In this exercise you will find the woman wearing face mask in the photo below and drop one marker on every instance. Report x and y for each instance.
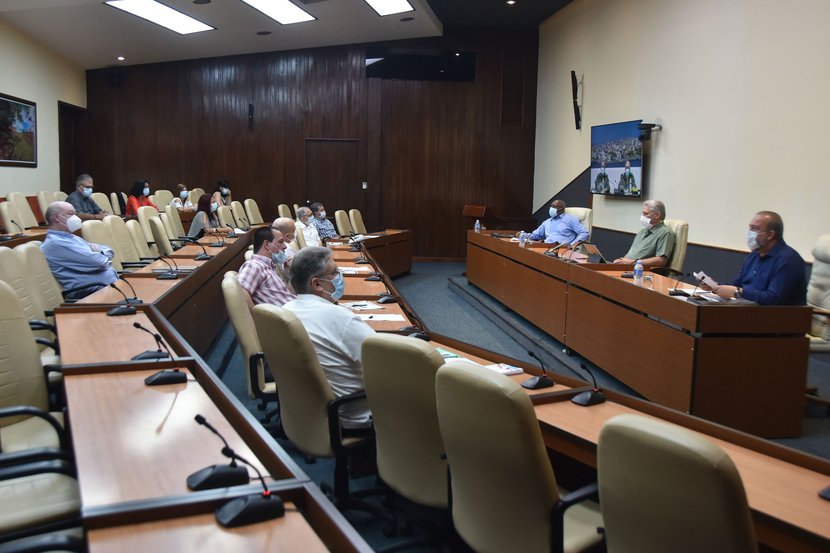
(222, 193)
(181, 201)
(205, 221)
(139, 197)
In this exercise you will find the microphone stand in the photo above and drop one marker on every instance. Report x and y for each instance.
(589, 397)
(124, 307)
(204, 256)
(252, 508)
(217, 476)
(164, 377)
(538, 382)
(171, 274)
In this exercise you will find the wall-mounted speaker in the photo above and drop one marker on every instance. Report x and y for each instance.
(575, 94)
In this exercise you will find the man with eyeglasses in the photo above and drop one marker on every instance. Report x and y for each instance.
(336, 332)
(81, 200)
(259, 277)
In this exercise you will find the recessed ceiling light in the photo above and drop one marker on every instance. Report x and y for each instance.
(120, 58)
(281, 11)
(510, 2)
(160, 14)
(264, 33)
(389, 7)
(457, 54)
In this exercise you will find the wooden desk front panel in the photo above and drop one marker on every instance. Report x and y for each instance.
(202, 534)
(755, 384)
(135, 442)
(392, 251)
(538, 297)
(654, 359)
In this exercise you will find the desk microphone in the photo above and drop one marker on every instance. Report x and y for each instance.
(354, 245)
(219, 242)
(15, 223)
(171, 274)
(677, 292)
(204, 256)
(538, 382)
(135, 298)
(247, 224)
(589, 397)
(217, 476)
(124, 307)
(251, 508)
(174, 376)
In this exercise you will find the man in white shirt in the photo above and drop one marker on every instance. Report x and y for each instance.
(335, 331)
(305, 224)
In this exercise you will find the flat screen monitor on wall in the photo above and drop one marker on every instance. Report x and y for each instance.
(617, 159)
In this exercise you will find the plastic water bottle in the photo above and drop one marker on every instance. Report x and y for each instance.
(522, 239)
(477, 227)
(638, 273)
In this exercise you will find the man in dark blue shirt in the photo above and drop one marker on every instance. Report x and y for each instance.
(773, 274)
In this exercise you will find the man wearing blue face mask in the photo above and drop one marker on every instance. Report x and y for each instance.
(561, 227)
(81, 200)
(259, 276)
(773, 273)
(335, 331)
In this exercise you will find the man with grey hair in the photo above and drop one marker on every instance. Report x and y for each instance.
(336, 332)
(654, 244)
(306, 225)
(81, 200)
(76, 264)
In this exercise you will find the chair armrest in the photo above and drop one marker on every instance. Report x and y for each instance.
(33, 455)
(557, 513)
(41, 544)
(820, 311)
(50, 343)
(43, 325)
(40, 467)
(84, 287)
(334, 416)
(22, 410)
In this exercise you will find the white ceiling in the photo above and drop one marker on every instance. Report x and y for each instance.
(92, 34)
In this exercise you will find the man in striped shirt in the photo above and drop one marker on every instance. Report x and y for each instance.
(324, 227)
(258, 276)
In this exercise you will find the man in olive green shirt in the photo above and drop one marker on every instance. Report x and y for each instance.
(654, 244)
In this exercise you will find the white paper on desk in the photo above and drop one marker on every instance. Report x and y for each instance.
(708, 296)
(504, 368)
(330, 243)
(362, 305)
(355, 270)
(704, 279)
(392, 317)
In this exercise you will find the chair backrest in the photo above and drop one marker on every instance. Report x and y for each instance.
(304, 392)
(252, 211)
(665, 488)
(818, 289)
(122, 239)
(344, 227)
(299, 238)
(45, 286)
(45, 198)
(175, 221)
(103, 202)
(28, 219)
(680, 229)
(145, 213)
(60, 196)
(116, 205)
(243, 325)
(284, 211)
(399, 376)
(225, 216)
(296, 209)
(195, 194)
(356, 219)
(22, 379)
(139, 240)
(14, 273)
(585, 215)
(501, 496)
(9, 213)
(239, 214)
(168, 226)
(163, 197)
(160, 236)
(96, 232)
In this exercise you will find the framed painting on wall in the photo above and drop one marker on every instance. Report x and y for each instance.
(18, 132)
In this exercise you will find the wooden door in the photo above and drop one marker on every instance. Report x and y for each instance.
(332, 175)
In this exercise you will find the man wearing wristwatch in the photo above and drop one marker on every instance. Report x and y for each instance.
(773, 273)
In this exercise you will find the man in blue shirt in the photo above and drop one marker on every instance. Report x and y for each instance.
(561, 227)
(324, 227)
(74, 261)
(773, 274)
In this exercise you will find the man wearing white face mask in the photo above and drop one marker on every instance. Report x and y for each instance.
(773, 274)
(335, 331)
(305, 224)
(654, 244)
(81, 200)
(75, 262)
(259, 276)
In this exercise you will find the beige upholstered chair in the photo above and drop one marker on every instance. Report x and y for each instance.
(160, 236)
(284, 211)
(45, 286)
(504, 493)
(243, 325)
(175, 221)
(163, 197)
(252, 211)
(356, 219)
(665, 488)
(680, 229)
(299, 238)
(225, 216)
(168, 227)
(27, 216)
(9, 216)
(102, 201)
(296, 208)
(195, 194)
(124, 246)
(399, 375)
(238, 212)
(145, 213)
(45, 198)
(344, 227)
(140, 241)
(585, 216)
(60, 196)
(96, 232)
(818, 295)
(116, 206)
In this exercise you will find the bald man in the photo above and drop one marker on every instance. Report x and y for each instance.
(287, 228)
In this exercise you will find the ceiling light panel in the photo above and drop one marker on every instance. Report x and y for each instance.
(160, 14)
(281, 11)
(389, 7)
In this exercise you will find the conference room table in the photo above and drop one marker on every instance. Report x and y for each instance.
(741, 365)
